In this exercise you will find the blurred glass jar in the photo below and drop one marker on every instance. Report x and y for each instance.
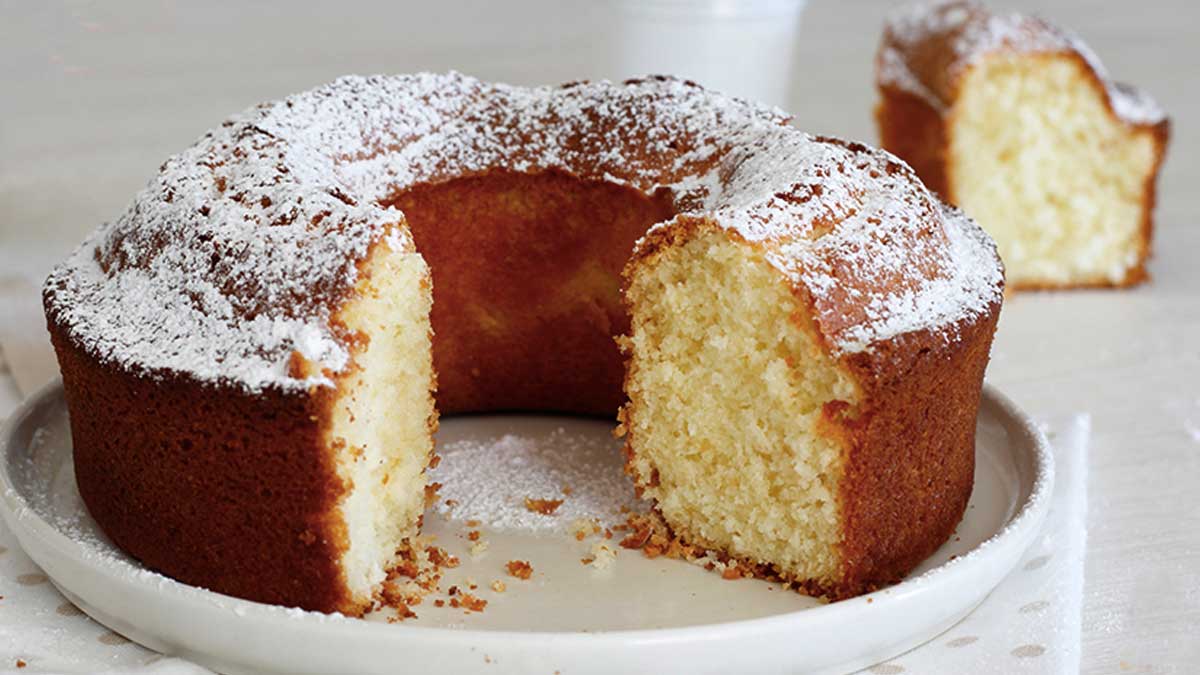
(741, 47)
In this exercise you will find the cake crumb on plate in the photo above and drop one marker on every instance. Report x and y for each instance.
(546, 507)
(520, 569)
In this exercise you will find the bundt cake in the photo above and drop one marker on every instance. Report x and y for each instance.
(251, 351)
(1018, 123)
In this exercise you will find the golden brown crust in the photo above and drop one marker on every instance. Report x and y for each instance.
(218, 488)
(910, 449)
(913, 130)
(917, 126)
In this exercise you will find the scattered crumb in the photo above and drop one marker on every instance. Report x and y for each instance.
(519, 568)
(21, 664)
(585, 527)
(546, 507)
(401, 594)
(638, 536)
(440, 558)
(402, 612)
(472, 523)
(602, 556)
(439, 603)
(498, 586)
(473, 535)
(431, 494)
(477, 548)
(473, 603)
(451, 503)
(434, 461)
(649, 533)
(566, 490)
(416, 573)
(469, 602)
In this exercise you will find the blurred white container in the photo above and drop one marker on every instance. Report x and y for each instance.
(739, 47)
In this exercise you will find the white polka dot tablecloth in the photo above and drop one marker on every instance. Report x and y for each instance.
(1029, 624)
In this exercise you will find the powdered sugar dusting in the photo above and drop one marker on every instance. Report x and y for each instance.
(488, 480)
(1134, 105)
(230, 260)
(908, 57)
(935, 304)
(879, 253)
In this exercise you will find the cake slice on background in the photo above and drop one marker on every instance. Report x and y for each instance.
(1017, 122)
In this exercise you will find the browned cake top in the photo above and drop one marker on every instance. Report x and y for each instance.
(926, 47)
(233, 256)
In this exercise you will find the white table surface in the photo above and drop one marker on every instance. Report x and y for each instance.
(94, 96)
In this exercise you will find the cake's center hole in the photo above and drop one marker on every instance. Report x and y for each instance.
(526, 284)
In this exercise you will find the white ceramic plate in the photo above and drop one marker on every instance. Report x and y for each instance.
(639, 615)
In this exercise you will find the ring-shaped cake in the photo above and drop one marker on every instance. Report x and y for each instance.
(249, 351)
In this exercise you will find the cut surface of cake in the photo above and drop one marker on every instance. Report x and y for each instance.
(1017, 122)
(381, 422)
(255, 353)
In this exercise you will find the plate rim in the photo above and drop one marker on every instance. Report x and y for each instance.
(1023, 523)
